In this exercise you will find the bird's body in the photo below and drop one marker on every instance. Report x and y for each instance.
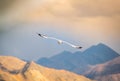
(59, 41)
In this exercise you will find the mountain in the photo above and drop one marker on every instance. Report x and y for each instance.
(13, 69)
(80, 62)
(109, 71)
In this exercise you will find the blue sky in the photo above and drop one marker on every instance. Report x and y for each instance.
(82, 22)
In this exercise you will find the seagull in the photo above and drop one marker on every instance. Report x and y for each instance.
(59, 41)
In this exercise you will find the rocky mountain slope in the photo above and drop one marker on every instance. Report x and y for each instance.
(13, 69)
(79, 62)
(109, 71)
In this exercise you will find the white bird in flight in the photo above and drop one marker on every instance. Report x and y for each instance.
(59, 41)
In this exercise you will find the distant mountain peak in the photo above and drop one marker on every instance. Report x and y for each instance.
(100, 48)
(98, 45)
(62, 54)
(79, 62)
(102, 45)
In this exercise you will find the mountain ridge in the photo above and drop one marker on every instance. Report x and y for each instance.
(79, 62)
(30, 71)
(110, 70)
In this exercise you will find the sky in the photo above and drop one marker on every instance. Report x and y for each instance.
(81, 22)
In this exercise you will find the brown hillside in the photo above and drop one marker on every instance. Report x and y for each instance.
(109, 71)
(13, 69)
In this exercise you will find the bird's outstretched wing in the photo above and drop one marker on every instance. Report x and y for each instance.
(59, 41)
(41, 35)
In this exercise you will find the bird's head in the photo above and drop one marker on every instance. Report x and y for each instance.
(79, 47)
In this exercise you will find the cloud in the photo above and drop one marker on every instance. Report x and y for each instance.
(77, 8)
(96, 7)
(52, 10)
(90, 20)
(79, 14)
(90, 16)
(5, 4)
